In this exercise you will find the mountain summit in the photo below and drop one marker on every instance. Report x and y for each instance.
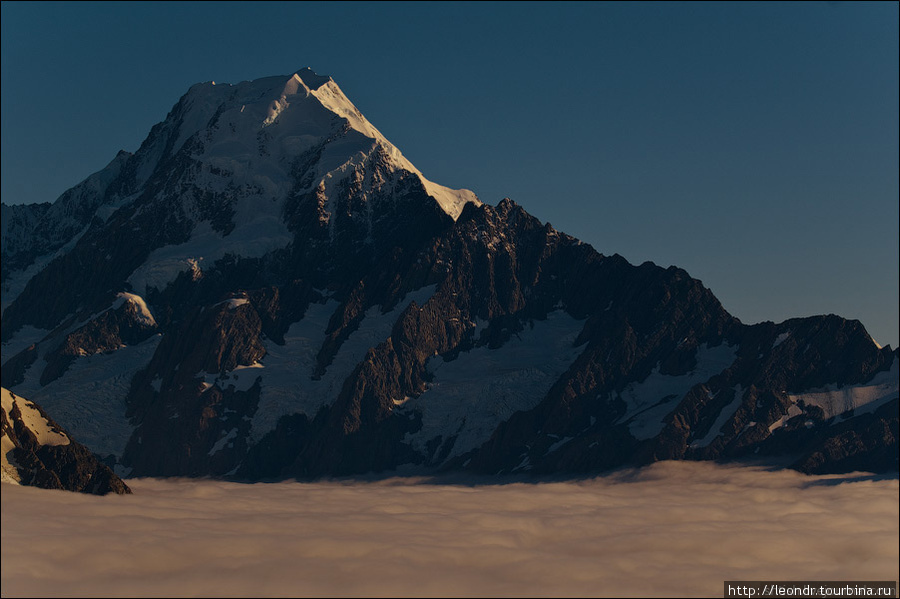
(231, 159)
(268, 288)
(273, 122)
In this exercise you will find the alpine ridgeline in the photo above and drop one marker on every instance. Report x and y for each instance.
(268, 288)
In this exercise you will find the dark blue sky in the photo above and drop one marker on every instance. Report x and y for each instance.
(753, 144)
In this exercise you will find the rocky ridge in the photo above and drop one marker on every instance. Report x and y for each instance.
(267, 288)
(38, 452)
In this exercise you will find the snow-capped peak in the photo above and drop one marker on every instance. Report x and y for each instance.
(235, 159)
(251, 148)
(284, 116)
(312, 79)
(331, 97)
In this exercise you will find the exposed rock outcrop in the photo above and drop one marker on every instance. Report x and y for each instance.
(38, 452)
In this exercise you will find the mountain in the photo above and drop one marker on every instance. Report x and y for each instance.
(38, 452)
(268, 288)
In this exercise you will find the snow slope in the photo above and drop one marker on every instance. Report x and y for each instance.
(288, 386)
(248, 144)
(654, 398)
(472, 394)
(101, 383)
(862, 399)
(35, 422)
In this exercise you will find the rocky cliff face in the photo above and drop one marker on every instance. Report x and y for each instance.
(268, 288)
(38, 452)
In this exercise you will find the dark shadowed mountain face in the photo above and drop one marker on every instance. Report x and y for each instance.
(268, 288)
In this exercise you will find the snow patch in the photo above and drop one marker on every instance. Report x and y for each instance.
(233, 303)
(780, 339)
(145, 317)
(8, 472)
(794, 410)
(22, 339)
(242, 378)
(724, 416)
(862, 399)
(161, 268)
(33, 420)
(287, 383)
(221, 443)
(89, 401)
(16, 281)
(558, 444)
(651, 400)
(525, 464)
(471, 395)
(258, 231)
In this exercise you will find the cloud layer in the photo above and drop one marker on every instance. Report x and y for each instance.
(674, 528)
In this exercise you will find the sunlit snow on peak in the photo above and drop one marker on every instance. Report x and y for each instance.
(265, 124)
(312, 79)
(253, 145)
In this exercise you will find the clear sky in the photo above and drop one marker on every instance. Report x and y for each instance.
(753, 144)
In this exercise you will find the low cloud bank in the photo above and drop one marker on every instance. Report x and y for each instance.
(674, 528)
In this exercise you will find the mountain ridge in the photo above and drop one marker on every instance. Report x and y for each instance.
(268, 288)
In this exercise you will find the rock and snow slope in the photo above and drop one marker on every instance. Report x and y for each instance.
(267, 287)
(36, 451)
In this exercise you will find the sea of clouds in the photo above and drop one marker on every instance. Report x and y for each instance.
(671, 529)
